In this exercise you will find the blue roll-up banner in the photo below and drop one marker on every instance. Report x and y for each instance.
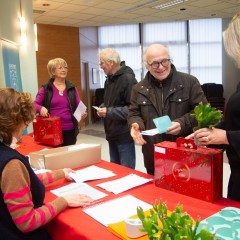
(11, 65)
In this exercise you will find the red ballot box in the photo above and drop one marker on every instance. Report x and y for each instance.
(48, 130)
(196, 172)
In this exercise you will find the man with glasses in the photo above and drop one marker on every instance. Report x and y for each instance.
(163, 91)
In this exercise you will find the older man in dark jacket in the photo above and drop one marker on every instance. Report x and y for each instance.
(163, 91)
(117, 91)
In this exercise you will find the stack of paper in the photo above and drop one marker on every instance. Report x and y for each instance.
(116, 210)
(91, 173)
(125, 183)
(79, 188)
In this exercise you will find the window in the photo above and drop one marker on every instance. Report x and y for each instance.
(206, 50)
(125, 39)
(195, 46)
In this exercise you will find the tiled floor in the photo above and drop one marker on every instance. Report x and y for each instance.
(95, 134)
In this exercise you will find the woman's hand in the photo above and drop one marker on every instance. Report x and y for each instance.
(78, 200)
(207, 136)
(66, 172)
(44, 112)
(83, 115)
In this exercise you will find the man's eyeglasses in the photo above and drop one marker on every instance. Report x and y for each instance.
(164, 63)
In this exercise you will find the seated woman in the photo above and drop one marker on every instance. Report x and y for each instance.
(22, 210)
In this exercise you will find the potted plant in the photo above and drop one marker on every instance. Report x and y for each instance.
(206, 115)
(161, 225)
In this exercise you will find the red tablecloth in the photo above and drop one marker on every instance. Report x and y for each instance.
(74, 224)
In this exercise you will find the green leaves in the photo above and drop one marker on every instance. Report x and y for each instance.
(175, 226)
(206, 115)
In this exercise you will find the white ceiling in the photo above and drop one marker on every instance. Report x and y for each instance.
(84, 13)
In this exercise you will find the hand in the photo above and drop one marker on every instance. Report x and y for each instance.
(189, 145)
(136, 135)
(175, 129)
(78, 200)
(44, 112)
(83, 115)
(101, 112)
(66, 172)
(208, 136)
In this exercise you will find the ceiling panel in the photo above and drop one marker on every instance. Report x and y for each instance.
(80, 13)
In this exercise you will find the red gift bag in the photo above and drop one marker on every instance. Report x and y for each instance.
(48, 130)
(196, 172)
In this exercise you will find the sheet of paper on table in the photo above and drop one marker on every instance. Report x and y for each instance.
(91, 173)
(125, 183)
(116, 210)
(79, 188)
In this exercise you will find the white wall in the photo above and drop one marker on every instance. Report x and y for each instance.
(10, 12)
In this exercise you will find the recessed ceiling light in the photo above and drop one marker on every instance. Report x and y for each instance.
(169, 4)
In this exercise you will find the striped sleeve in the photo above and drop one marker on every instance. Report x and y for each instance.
(51, 176)
(15, 185)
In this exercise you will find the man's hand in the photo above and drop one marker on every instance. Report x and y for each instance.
(136, 135)
(175, 129)
(101, 112)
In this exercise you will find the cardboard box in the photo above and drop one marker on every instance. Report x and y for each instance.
(196, 172)
(73, 156)
(48, 130)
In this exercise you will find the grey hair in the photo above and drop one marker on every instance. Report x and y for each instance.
(145, 62)
(231, 39)
(110, 54)
(53, 63)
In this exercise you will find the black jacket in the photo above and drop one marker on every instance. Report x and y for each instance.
(181, 93)
(117, 99)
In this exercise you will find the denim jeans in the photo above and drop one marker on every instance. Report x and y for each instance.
(123, 154)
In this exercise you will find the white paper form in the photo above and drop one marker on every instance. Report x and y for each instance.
(80, 108)
(91, 173)
(125, 183)
(79, 188)
(150, 132)
(116, 210)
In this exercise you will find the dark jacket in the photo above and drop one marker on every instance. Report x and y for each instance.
(71, 98)
(117, 99)
(175, 97)
(231, 124)
(8, 229)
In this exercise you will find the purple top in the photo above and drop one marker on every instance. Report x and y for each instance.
(59, 106)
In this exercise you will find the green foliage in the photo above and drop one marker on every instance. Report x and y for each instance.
(206, 115)
(176, 226)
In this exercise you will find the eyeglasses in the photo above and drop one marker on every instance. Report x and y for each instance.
(62, 68)
(164, 63)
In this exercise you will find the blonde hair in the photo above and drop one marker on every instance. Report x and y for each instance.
(54, 63)
(16, 108)
(231, 39)
(110, 54)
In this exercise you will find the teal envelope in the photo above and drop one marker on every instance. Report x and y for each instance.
(162, 123)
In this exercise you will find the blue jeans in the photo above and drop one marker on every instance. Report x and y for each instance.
(123, 154)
